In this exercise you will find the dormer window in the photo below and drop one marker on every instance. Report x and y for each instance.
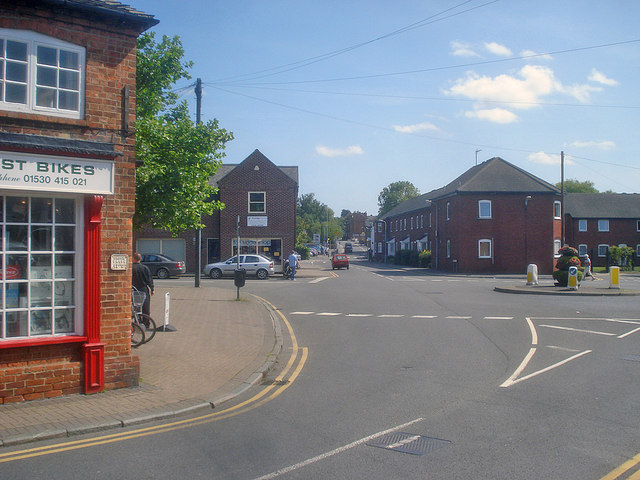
(40, 74)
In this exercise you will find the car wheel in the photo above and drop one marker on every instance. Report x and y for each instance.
(262, 274)
(215, 273)
(162, 273)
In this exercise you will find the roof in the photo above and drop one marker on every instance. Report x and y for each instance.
(494, 176)
(227, 168)
(108, 8)
(602, 205)
(411, 205)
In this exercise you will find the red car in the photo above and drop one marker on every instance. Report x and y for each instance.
(339, 260)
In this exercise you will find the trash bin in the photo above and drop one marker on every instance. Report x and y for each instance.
(239, 275)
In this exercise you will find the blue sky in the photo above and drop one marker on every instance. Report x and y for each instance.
(363, 93)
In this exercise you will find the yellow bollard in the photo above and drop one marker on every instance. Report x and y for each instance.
(532, 274)
(614, 277)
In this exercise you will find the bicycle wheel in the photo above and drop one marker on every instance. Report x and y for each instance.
(137, 335)
(148, 324)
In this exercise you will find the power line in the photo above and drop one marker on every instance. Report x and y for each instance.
(309, 61)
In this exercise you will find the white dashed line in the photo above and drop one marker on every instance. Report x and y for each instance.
(301, 313)
(390, 316)
(424, 316)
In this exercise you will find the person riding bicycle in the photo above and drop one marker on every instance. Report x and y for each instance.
(143, 281)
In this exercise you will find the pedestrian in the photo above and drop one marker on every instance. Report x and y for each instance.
(143, 281)
(586, 263)
(293, 264)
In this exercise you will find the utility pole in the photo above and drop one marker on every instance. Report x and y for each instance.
(198, 91)
(562, 198)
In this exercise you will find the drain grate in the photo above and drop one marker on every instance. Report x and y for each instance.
(408, 443)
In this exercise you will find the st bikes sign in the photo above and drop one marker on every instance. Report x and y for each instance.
(55, 174)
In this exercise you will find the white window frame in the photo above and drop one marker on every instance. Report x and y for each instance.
(448, 210)
(256, 202)
(638, 250)
(411, 223)
(34, 40)
(603, 225)
(448, 248)
(557, 209)
(33, 278)
(582, 225)
(484, 241)
(484, 203)
(557, 245)
(582, 250)
(604, 247)
(637, 225)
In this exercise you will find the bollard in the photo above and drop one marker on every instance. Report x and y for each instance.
(572, 282)
(614, 277)
(532, 274)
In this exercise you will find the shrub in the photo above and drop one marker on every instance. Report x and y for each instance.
(568, 258)
(303, 250)
(424, 258)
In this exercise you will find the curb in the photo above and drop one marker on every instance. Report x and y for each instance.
(558, 291)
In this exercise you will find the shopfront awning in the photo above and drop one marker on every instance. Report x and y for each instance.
(18, 142)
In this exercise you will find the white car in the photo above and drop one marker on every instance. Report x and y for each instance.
(256, 265)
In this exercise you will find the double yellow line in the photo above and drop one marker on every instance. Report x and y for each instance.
(622, 469)
(266, 395)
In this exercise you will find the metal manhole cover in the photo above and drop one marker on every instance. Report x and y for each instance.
(408, 443)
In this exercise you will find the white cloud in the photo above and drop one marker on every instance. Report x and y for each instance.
(600, 77)
(460, 49)
(339, 152)
(495, 115)
(531, 53)
(548, 159)
(497, 49)
(602, 145)
(418, 127)
(582, 93)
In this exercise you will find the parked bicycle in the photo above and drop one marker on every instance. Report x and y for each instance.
(143, 327)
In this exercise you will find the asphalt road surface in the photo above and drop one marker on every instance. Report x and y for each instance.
(389, 374)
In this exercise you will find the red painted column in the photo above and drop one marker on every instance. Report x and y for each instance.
(93, 350)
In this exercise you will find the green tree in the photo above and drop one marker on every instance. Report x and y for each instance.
(575, 186)
(394, 194)
(177, 156)
(312, 217)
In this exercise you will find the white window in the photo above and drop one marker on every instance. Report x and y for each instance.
(257, 202)
(638, 250)
(379, 247)
(41, 270)
(484, 209)
(448, 208)
(557, 209)
(582, 225)
(582, 250)
(638, 226)
(448, 248)
(380, 227)
(484, 248)
(429, 218)
(421, 221)
(40, 74)
(602, 250)
(405, 224)
(603, 225)
(411, 223)
(557, 244)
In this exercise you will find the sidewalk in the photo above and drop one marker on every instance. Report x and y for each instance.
(221, 348)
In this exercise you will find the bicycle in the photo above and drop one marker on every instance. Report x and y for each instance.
(144, 323)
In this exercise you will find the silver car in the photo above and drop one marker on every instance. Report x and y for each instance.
(256, 265)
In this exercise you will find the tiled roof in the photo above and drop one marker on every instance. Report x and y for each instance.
(109, 8)
(494, 176)
(602, 205)
(413, 204)
(225, 169)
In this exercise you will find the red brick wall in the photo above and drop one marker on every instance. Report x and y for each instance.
(621, 231)
(28, 373)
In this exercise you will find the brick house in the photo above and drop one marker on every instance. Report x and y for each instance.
(264, 196)
(67, 180)
(596, 221)
(494, 218)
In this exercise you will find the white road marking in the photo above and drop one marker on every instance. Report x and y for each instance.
(629, 333)
(594, 332)
(359, 314)
(390, 316)
(328, 314)
(550, 367)
(498, 318)
(301, 313)
(424, 316)
(331, 453)
(564, 349)
(319, 279)
(457, 318)
(403, 442)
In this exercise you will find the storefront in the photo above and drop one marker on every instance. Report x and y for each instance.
(267, 247)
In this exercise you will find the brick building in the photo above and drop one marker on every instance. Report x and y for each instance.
(264, 197)
(494, 218)
(67, 181)
(596, 221)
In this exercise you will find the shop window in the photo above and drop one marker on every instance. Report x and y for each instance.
(40, 74)
(582, 225)
(40, 273)
(603, 225)
(257, 202)
(484, 248)
(484, 209)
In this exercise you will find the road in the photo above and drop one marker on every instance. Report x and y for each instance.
(394, 374)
